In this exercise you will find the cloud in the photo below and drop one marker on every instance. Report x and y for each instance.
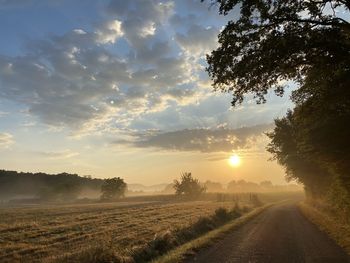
(66, 154)
(6, 140)
(202, 140)
(198, 39)
(3, 113)
(74, 80)
(141, 18)
(141, 66)
(109, 33)
(5, 4)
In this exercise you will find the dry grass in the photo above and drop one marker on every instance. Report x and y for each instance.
(51, 233)
(337, 229)
(179, 254)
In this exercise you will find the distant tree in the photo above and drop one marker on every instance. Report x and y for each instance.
(52, 187)
(242, 186)
(188, 186)
(46, 194)
(67, 191)
(266, 184)
(213, 186)
(67, 188)
(113, 188)
(169, 189)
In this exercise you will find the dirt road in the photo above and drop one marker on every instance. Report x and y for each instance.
(280, 234)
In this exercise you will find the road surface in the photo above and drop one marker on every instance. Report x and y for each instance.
(280, 234)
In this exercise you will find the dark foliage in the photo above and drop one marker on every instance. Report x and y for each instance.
(277, 40)
(44, 186)
(188, 186)
(113, 188)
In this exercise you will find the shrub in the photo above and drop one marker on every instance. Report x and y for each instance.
(158, 246)
(255, 201)
(222, 214)
(237, 211)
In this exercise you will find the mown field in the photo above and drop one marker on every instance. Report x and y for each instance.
(50, 233)
(63, 232)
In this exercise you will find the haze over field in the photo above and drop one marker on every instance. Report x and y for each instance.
(119, 89)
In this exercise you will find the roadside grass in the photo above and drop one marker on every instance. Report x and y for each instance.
(163, 243)
(180, 253)
(337, 229)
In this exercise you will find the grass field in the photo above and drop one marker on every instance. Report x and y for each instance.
(50, 233)
(63, 232)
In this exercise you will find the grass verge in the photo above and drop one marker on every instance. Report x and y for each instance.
(179, 253)
(337, 230)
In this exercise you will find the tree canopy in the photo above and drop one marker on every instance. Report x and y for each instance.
(113, 188)
(271, 42)
(188, 186)
(61, 187)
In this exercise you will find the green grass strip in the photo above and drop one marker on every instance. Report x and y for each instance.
(179, 253)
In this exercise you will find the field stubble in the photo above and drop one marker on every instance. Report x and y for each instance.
(50, 233)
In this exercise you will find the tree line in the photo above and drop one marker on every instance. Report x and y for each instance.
(62, 186)
(67, 187)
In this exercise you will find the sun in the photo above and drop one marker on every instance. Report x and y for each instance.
(234, 160)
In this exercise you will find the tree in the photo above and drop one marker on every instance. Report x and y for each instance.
(292, 150)
(272, 41)
(68, 191)
(188, 186)
(266, 184)
(113, 188)
(213, 187)
(312, 144)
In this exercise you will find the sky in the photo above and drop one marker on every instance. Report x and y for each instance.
(119, 88)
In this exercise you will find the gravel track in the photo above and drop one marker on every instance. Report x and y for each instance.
(280, 234)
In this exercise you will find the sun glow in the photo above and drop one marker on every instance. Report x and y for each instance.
(234, 160)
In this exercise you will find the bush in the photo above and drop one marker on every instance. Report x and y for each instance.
(237, 211)
(255, 201)
(203, 225)
(163, 242)
(222, 214)
(158, 246)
